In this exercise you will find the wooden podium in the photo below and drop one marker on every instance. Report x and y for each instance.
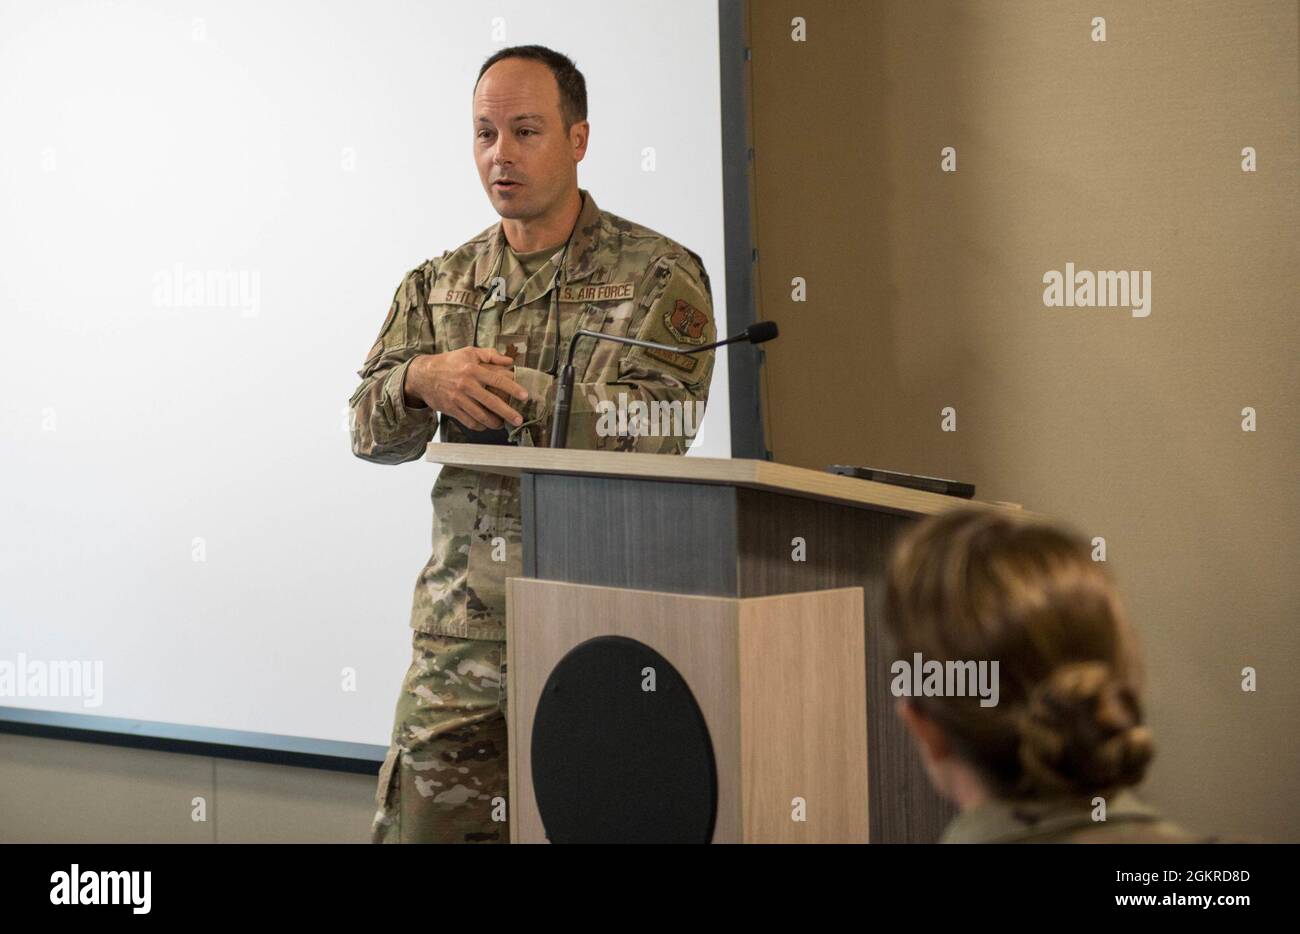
(696, 651)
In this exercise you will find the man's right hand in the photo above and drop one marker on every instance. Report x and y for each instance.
(471, 385)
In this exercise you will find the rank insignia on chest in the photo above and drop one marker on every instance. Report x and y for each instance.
(686, 322)
(514, 346)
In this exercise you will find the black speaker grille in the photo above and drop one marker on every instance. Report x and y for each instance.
(613, 763)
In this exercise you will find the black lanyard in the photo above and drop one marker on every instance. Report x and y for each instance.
(553, 316)
(499, 435)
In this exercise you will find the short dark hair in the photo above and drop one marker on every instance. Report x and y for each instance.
(573, 87)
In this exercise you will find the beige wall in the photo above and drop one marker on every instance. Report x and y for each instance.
(925, 291)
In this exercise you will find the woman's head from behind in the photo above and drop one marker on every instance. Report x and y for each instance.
(977, 584)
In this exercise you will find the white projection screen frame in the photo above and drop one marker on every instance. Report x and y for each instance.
(187, 535)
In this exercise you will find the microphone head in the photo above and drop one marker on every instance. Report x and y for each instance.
(761, 331)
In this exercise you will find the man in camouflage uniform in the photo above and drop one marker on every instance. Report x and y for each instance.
(473, 343)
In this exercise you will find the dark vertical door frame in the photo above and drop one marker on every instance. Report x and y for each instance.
(744, 361)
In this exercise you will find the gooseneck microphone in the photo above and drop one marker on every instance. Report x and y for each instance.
(756, 333)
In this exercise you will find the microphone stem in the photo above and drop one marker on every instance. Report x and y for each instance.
(563, 399)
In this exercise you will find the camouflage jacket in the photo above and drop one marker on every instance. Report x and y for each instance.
(1128, 820)
(618, 278)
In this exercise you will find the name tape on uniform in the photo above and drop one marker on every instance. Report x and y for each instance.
(682, 361)
(613, 291)
(454, 297)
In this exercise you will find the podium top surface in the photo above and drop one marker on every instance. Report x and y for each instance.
(754, 474)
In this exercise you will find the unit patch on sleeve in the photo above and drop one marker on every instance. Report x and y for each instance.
(686, 322)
